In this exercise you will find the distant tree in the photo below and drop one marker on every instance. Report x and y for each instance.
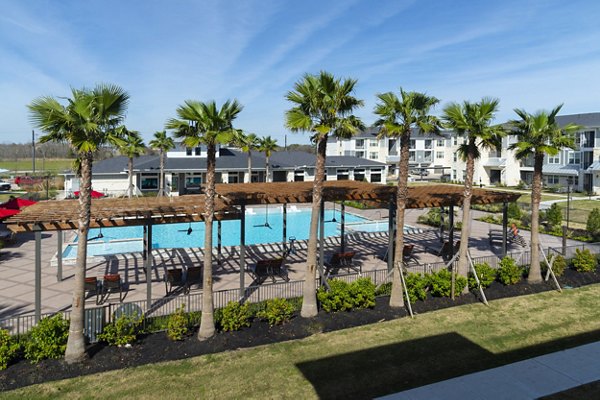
(162, 143)
(132, 147)
(554, 215)
(267, 145)
(514, 211)
(593, 223)
(247, 143)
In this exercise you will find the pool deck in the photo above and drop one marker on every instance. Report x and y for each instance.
(17, 263)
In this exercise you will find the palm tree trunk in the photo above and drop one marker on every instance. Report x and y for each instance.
(161, 181)
(309, 302)
(130, 171)
(463, 263)
(207, 320)
(267, 169)
(535, 273)
(249, 167)
(75, 351)
(396, 298)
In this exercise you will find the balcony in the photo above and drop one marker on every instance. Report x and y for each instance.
(495, 162)
(390, 158)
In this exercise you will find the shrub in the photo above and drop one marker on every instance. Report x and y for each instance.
(337, 298)
(178, 325)
(440, 283)
(584, 261)
(558, 266)
(554, 215)
(234, 316)
(416, 285)
(124, 330)
(384, 290)
(485, 273)
(593, 223)
(509, 272)
(48, 339)
(8, 348)
(514, 211)
(277, 311)
(362, 293)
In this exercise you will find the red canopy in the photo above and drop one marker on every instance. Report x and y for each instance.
(7, 212)
(94, 194)
(17, 203)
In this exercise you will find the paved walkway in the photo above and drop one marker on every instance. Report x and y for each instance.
(528, 379)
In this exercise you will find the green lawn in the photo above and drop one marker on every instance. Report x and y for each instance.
(579, 210)
(361, 362)
(54, 165)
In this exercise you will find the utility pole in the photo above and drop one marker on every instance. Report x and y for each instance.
(33, 147)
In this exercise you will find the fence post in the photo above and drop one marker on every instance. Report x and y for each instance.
(564, 241)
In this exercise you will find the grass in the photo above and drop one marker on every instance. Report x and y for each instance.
(361, 362)
(54, 165)
(580, 210)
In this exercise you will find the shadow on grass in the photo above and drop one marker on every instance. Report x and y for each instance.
(401, 366)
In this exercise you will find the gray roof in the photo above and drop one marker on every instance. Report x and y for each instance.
(589, 120)
(595, 166)
(228, 160)
(557, 169)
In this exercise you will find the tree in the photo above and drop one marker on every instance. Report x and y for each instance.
(267, 145)
(323, 106)
(132, 147)
(197, 123)
(397, 118)
(554, 215)
(162, 143)
(247, 143)
(593, 223)
(537, 135)
(87, 123)
(472, 121)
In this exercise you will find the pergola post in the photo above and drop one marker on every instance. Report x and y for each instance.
(391, 238)
(343, 227)
(242, 250)
(321, 234)
(504, 228)
(284, 227)
(38, 273)
(451, 223)
(219, 244)
(148, 263)
(59, 256)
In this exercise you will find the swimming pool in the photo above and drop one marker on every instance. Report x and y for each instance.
(129, 239)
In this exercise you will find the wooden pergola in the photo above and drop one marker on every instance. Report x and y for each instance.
(230, 204)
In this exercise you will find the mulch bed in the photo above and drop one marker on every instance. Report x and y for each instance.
(157, 347)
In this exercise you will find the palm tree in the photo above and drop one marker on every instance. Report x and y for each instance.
(162, 143)
(87, 122)
(323, 106)
(132, 147)
(473, 121)
(539, 134)
(267, 145)
(397, 118)
(247, 143)
(198, 123)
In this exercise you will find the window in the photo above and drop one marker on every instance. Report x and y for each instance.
(197, 151)
(411, 156)
(376, 175)
(149, 182)
(440, 142)
(553, 179)
(428, 143)
(373, 155)
(439, 154)
(188, 151)
(299, 176)
(360, 154)
(554, 159)
(373, 143)
(233, 177)
(455, 158)
(413, 143)
(455, 140)
(360, 144)
(574, 157)
(193, 181)
(427, 156)
(343, 174)
(359, 174)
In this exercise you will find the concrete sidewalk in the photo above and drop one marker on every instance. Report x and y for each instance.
(528, 379)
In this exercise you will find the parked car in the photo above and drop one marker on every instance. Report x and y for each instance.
(419, 171)
(4, 186)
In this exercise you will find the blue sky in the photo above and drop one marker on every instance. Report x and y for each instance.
(530, 54)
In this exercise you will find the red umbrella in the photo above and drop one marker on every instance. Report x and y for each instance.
(94, 194)
(8, 212)
(17, 203)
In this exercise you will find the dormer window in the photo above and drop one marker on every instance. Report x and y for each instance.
(188, 151)
(197, 151)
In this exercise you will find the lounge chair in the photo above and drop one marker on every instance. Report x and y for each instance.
(93, 286)
(193, 277)
(112, 282)
(174, 279)
(445, 251)
(407, 253)
(268, 268)
(339, 261)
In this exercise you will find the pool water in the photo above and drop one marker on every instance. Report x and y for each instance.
(119, 240)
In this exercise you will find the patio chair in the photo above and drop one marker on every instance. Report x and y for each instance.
(262, 269)
(407, 253)
(111, 283)
(339, 261)
(445, 251)
(93, 286)
(193, 277)
(277, 268)
(174, 279)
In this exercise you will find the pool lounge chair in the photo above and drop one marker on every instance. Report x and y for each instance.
(269, 268)
(173, 280)
(339, 261)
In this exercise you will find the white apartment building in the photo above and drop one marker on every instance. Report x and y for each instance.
(579, 167)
